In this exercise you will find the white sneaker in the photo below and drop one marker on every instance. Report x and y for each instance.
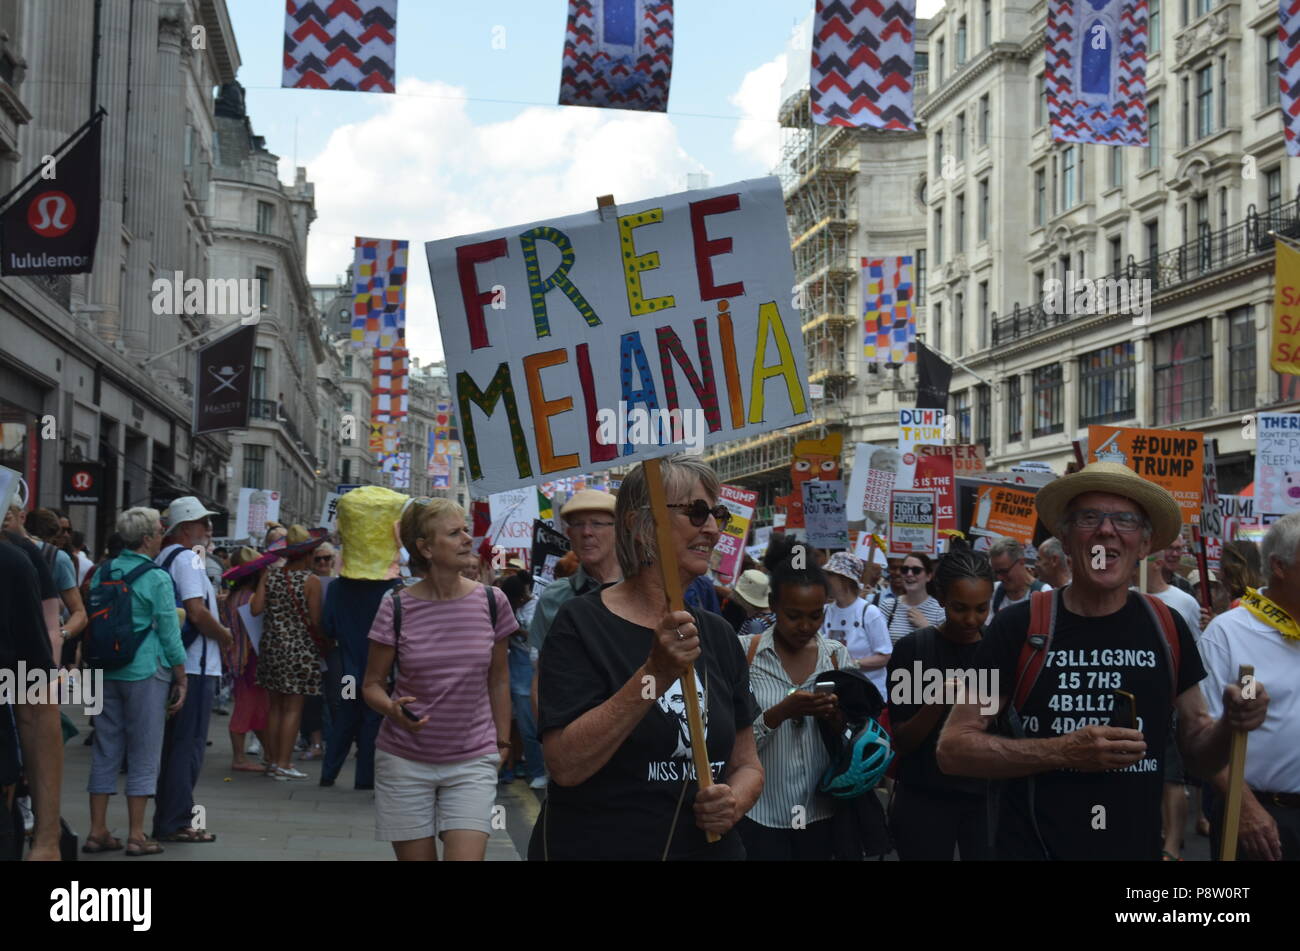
(253, 748)
(291, 773)
(539, 783)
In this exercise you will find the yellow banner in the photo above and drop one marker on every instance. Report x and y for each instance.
(1284, 344)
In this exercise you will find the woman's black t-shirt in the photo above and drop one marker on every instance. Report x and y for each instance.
(625, 810)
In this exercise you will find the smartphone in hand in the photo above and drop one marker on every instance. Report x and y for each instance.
(1123, 710)
(406, 712)
(824, 686)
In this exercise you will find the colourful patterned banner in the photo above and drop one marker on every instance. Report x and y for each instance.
(379, 293)
(888, 324)
(1096, 71)
(350, 45)
(383, 438)
(862, 64)
(398, 465)
(389, 385)
(618, 54)
(1288, 70)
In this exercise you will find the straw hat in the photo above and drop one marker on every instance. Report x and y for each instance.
(1111, 477)
(752, 587)
(588, 500)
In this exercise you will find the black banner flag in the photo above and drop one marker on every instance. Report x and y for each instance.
(932, 379)
(224, 383)
(52, 227)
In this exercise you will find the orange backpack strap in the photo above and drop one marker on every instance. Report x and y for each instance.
(1033, 654)
(1173, 648)
(753, 648)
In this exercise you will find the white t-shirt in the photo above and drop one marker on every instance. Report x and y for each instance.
(1182, 602)
(861, 627)
(191, 578)
(84, 567)
(1238, 637)
(1007, 601)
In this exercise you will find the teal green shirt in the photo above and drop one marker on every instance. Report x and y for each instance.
(153, 606)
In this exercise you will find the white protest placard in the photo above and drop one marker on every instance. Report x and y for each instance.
(329, 513)
(917, 426)
(570, 341)
(912, 528)
(1211, 523)
(875, 471)
(1277, 464)
(256, 507)
(824, 518)
(252, 625)
(513, 513)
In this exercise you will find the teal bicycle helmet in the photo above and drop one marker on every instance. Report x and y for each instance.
(864, 759)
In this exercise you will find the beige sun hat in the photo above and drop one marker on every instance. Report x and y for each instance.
(752, 587)
(588, 500)
(1159, 505)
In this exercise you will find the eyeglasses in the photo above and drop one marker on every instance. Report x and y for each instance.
(698, 512)
(911, 569)
(1003, 572)
(591, 523)
(1091, 520)
(324, 559)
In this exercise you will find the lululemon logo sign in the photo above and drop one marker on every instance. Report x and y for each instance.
(51, 214)
(82, 481)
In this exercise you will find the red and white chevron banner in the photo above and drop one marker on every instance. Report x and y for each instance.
(1096, 71)
(346, 45)
(1288, 70)
(618, 54)
(863, 56)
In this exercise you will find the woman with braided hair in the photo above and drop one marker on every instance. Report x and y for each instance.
(932, 812)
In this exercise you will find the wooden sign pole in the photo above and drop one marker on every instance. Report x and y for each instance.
(1236, 779)
(1202, 562)
(673, 593)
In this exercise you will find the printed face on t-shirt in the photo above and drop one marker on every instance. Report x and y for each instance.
(673, 703)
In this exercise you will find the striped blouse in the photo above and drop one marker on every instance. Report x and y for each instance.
(898, 615)
(793, 755)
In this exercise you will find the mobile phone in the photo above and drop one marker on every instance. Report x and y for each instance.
(1123, 710)
(406, 712)
(824, 686)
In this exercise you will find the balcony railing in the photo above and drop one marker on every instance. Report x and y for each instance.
(1210, 253)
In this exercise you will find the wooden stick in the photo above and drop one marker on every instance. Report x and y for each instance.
(673, 591)
(1202, 562)
(1236, 779)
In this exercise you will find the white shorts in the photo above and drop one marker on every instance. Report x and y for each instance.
(416, 800)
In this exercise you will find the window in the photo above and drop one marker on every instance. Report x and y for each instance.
(1049, 402)
(1040, 112)
(1223, 211)
(1116, 166)
(1241, 358)
(1183, 373)
(1273, 190)
(922, 62)
(1203, 7)
(1223, 92)
(938, 326)
(961, 41)
(959, 323)
(1040, 197)
(1153, 134)
(984, 210)
(1107, 384)
(1204, 242)
(265, 217)
(189, 146)
(1272, 89)
(988, 22)
(939, 57)
(938, 235)
(1183, 128)
(959, 226)
(1153, 25)
(254, 466)
(261, 356)
(1204, 101)
(938, 153)
(1116, 256)
(983, 415)
(961, 409)
(961, 136)
(1039, 277)
(984, 315)
(1063, 269)
(984, 119)
(1068, 181)
(264, 287)
(1015, 410)
(920, 276)
(1153, 240)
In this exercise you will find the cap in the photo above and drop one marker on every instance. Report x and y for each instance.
(588, 500)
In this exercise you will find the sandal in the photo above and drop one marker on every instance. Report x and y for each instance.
(198, 836)
(316, 752)
(1169, 857)
(107, 844)
(247, 768)
(137, 847)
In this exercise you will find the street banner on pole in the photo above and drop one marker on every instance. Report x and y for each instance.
(1284, 344)
(224, 382)
(618, 54)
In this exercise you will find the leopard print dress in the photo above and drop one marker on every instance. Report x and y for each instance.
(288, 661)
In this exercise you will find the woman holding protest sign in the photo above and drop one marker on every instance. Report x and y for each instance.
(612, 711)
(915, 609)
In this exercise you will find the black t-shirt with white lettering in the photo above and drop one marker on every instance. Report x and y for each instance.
(625, 810)
(23, 638)
(1084, 815)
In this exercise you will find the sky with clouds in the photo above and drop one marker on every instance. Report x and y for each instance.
(472, 139)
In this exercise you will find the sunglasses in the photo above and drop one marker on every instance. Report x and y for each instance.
(911, 569)
(698, 512)
(324, 559)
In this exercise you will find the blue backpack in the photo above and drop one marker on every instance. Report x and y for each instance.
(111, 638)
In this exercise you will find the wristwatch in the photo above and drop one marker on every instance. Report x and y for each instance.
(63, 632)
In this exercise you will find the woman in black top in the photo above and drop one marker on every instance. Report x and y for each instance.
(611, 708)
(931, 811)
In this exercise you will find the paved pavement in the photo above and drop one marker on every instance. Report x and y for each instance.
(256, 818)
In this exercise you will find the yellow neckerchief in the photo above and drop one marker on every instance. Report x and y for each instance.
(1272, 615)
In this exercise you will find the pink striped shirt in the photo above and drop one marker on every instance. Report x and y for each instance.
(444, 655)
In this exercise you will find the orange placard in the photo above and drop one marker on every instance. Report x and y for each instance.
(1172, 459)
(1004, 511)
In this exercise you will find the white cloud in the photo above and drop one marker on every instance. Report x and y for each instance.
(423, 170)
(757, 134)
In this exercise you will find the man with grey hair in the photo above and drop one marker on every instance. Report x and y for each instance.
(1015, 583)
(1053, 563)
(1081, 773)
(1263, 631)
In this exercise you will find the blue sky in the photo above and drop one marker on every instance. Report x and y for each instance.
(473, 140)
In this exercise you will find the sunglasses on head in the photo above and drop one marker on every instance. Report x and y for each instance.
(698, 512)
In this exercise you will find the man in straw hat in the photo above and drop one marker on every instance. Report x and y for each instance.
(1078, 786)
(589, 523)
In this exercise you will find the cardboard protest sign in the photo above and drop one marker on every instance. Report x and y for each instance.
(911, 522)
(1235, 511)
(1005, 511)
(549, 546)
(824, 518)
(729, 553)
(813, 459)
(919, 426)
(875, 475)
(936, 472)
(1172, 459)
(966, 459)
(1277, 464)
(256, 507)
(617, 335)
(329, 513)
(513, 514)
